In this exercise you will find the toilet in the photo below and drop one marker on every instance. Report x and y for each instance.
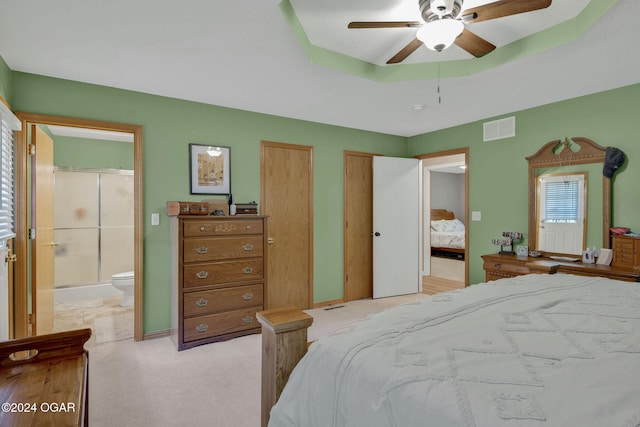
(124, 282)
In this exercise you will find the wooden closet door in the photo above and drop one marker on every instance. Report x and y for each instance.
(358, 225)
(287, 200)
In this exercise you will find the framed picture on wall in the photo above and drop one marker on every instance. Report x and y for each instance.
(210, 167)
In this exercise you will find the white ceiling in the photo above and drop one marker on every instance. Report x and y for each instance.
(243, 54)
(325, 24)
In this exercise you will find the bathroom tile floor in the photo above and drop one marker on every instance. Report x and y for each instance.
(107, 320)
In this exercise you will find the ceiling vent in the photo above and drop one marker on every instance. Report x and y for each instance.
(499, 129)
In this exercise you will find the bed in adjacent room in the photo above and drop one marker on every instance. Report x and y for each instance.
(533, 350)
(447, 235)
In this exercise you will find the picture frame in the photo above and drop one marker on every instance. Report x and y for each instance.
(523, 251)
(210, 169)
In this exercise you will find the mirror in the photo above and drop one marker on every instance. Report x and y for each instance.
(572, 157)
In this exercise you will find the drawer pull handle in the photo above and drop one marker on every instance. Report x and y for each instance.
(248, 227)
(202, 327)
(202, 274)
(202, 229)
(202, 302)
(247, 296)
(247, 319)
(247, 270)
(498, 266)
(248, 247)
(202, 250)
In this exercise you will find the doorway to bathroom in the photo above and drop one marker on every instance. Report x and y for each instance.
(93, 246)
(79, 225)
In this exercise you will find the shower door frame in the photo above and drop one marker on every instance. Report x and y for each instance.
(100, 172)
(24, 324)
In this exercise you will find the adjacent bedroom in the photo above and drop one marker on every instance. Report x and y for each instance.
(444, 215)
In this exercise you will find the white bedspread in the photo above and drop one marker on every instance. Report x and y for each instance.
(537, 350)
(447, 239)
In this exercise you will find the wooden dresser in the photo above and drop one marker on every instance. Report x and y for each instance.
(626, 251)
(499, 266)
(218, 274)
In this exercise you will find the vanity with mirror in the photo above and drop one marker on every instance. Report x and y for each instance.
(569, 211)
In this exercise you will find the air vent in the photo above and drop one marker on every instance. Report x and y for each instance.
(499, 129)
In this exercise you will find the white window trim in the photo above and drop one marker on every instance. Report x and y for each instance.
(8, 124)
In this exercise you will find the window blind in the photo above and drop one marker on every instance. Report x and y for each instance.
(562, 201)
(8, 124)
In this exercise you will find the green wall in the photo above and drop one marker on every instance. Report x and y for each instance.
(5, 81)
(169, 125)
(92, 153)
(499, 171)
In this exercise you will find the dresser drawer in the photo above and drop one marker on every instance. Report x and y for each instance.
(201, 327)
(624, 259)
(213, 301)
(505, 269)
(222, 227)
(219, 248)
(624, 247)
(213, 273)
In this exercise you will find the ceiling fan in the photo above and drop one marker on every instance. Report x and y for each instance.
(444, 24)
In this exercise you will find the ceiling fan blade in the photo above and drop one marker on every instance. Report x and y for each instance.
(474, 44)
(385, 24)
(405, 51)
(502, 8)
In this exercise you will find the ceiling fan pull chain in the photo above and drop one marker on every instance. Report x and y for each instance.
(439, 97)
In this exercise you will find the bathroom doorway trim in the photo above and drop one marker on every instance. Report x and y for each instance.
(22, 320)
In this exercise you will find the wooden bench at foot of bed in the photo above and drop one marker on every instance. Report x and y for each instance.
(284, 343)
(44, 380)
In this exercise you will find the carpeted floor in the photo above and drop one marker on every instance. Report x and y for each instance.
(150, 383)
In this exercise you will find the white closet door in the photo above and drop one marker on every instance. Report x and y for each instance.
(396, 226)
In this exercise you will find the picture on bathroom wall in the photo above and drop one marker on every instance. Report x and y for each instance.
(210, 168)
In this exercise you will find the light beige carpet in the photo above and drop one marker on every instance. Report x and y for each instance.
(150, 383)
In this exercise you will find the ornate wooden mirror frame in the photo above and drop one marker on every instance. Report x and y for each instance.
(548, 156)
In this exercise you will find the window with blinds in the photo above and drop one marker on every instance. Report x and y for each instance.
(8, 124)
(563, 199)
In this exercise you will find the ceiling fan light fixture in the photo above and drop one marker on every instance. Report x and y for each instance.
(440, 34)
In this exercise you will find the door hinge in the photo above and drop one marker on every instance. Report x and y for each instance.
(32, 319)
(11, 257)
(32, 233)
(32, 149)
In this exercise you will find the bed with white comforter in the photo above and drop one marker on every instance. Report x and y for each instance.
(447, 234)
(536, 350)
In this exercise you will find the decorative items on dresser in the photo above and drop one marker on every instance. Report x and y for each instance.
(218, 274)
(626, 251)
(508, 240)
(499, 266)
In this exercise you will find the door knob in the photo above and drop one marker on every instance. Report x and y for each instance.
(270, 240)
(376, 234)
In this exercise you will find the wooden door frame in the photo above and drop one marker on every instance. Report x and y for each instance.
(465, 152)
(263, 172)
(21, 245)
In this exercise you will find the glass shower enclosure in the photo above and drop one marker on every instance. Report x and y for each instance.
(93, 225)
